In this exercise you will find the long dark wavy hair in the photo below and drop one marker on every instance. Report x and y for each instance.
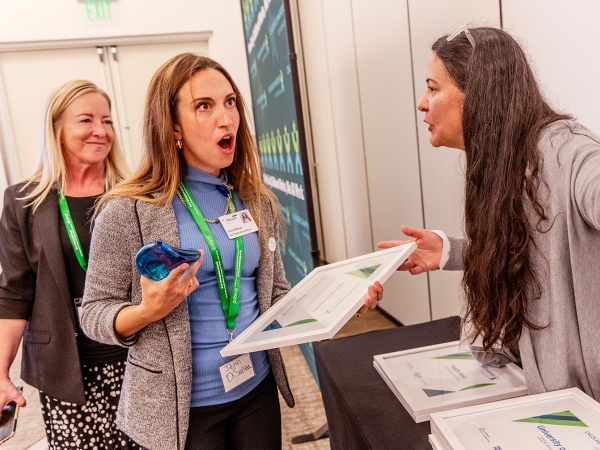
(503, 114)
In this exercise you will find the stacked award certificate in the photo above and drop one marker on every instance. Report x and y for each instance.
(566, 419)
(445, 376)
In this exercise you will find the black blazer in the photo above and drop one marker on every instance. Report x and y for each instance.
(34, 286)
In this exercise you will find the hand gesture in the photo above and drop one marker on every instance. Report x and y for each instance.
(428, 254)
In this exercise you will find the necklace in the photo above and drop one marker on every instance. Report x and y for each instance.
(224, 189)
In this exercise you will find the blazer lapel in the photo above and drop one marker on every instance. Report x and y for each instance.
(45, 228)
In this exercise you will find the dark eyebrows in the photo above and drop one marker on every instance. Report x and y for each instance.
(203, 99)
(210, 99)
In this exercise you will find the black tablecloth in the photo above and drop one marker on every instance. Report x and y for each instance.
(362, 412)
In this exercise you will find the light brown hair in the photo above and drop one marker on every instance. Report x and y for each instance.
(163, 167)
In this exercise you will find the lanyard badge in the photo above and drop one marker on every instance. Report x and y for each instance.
(71, 231)
(229, 300)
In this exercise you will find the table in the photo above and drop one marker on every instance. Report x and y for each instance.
(362, 411)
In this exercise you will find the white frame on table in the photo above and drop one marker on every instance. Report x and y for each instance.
(316, 331)
(436, 443)
(449, 440)
(420, 412)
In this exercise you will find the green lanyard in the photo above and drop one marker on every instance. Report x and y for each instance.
(71, 231)
(229, 301)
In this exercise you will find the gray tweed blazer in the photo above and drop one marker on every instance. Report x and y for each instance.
(155, 398)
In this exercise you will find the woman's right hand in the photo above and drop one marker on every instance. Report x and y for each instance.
(428, 254)
(160, 298)
(9, 393)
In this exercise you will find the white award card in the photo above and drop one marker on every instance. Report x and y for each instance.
(319, 305)
(562, 420)
(444, 376)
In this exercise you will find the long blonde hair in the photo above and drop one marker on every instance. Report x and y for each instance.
(162, 168)
(51, 170)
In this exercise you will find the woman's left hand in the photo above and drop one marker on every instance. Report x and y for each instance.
(375, 294)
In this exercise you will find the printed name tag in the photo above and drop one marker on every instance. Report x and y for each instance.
(236, 372)
(238, 224)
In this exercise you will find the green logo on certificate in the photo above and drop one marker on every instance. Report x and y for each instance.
(566, 418)
(364, 273)
(462, 356)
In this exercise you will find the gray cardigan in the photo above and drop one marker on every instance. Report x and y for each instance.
(155, 397)
(567, 261)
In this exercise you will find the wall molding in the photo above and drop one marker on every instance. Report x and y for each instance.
(104, 41)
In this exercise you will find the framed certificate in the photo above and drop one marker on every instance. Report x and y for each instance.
(445, 376)
(566, 419)
(318, 306)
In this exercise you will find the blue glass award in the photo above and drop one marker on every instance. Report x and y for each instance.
(155, 261)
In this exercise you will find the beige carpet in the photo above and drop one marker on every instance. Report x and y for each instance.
(306, 417)
(309, 415)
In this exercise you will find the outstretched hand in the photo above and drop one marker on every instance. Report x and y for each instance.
(428, 254)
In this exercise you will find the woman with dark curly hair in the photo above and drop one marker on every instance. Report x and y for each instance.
(532, 212)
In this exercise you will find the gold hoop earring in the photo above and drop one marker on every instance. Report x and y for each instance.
(179, 144)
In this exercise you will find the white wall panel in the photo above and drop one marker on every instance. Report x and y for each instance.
(560, 38)
(335, 109)
(383, 57)
(347, 126)
(324, 142)
(442, 168)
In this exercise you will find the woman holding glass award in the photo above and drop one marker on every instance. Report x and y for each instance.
(532, 212)
(45, 235)
(200, 163)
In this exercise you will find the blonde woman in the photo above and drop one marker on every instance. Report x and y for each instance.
(200, 162)
(44, 243)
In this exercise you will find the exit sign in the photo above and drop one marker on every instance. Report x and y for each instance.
(98, 10)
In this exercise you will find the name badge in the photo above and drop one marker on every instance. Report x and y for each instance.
(238, 224)
(236, 372)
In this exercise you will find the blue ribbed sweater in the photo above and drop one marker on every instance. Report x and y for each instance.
(207, 320)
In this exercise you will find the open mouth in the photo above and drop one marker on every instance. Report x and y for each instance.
(226, 143)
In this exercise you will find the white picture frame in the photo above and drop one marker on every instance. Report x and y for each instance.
(318, 306)
(436, 443)
(445, 376)
(526, 423)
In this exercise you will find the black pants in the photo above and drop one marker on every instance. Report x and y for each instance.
(252, 422)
